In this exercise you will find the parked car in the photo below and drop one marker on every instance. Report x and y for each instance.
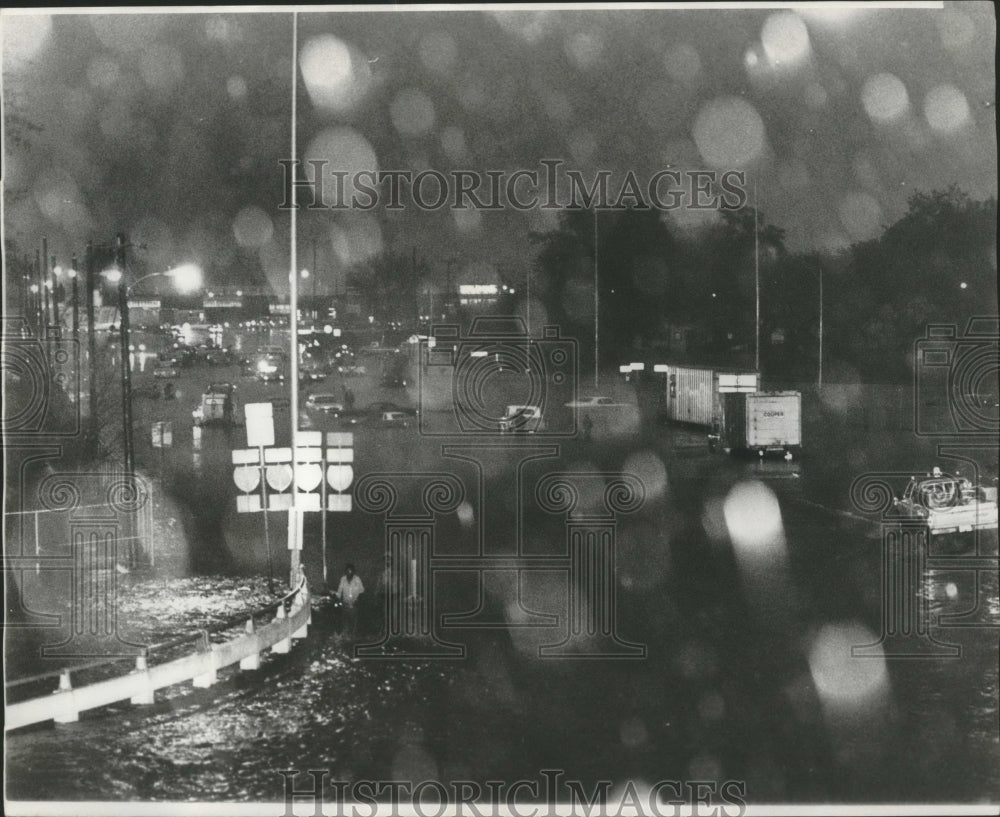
(384, 405)
(270, 368)
(394, 381)
(218, 357)
(165, 369)
(591, 402)
(312, 370)
(327, 403)
(522, 419)
(392, 419)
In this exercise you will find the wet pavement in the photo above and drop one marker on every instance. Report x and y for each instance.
(747, 676)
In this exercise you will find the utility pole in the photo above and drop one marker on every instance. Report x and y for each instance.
(91, 341)
(126, 362)
(75, 274)
(44, 276)
(55, 293)
(39, 282)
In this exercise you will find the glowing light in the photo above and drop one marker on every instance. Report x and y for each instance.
(412, 112)
(345, 149)
(335, 76)
(682, 62)
(753, 518)
(252, 227)
(438, 52)
(24, 36)
(729, 131)
(112, 276)
(187, 277)
(465, 513)
(649, 468)
(841, 678)
(860, 215)
(884, 97)
(946, 109)
(785, 38)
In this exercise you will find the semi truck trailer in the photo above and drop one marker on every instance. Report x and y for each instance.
(759, 422)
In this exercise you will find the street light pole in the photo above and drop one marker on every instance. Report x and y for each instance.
(294, 514)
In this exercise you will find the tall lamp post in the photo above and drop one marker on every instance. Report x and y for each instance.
(187, 278)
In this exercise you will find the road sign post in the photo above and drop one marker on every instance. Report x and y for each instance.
(311, 477)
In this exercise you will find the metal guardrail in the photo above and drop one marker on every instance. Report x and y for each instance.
(64, 705)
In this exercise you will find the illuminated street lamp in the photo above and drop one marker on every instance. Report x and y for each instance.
(186, 278)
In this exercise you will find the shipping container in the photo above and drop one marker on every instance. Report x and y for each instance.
(760, 422)
(694, 394)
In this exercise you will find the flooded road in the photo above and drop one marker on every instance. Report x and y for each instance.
(747, 583)
(747, 676)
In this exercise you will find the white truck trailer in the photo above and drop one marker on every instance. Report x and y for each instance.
(760, 422)
(694, 393)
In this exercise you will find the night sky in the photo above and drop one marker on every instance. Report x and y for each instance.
(170, 127)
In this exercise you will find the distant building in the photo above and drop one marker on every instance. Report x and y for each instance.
(478, 295)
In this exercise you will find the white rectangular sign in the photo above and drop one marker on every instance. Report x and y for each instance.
(260, 424)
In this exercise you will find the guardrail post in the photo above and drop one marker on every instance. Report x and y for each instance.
(209, 678)
(147, 694)
(285, 645)
(303, 631)
(67, 711)
(251, 661)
